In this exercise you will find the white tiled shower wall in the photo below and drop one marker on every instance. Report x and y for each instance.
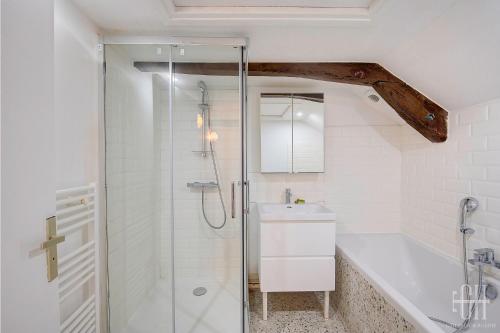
(435, 177)
(132, 187)
(202, 253)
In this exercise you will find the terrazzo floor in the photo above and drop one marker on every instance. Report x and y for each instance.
(292, 313)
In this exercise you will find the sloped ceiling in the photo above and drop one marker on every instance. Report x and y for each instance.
(447, 49)
(456, 59)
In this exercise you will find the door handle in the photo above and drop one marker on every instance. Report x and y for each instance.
(50, 246)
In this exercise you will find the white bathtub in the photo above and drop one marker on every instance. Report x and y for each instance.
(412, 278)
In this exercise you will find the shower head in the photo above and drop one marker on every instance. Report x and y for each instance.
(202, 86)
(467, 206)
(204, 95)
(470, 204)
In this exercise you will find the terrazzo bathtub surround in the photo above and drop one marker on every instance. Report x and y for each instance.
(297, 312)
(360, 307)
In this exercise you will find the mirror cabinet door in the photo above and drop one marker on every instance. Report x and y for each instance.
(308, 133)
(292, 133)
(276, 133)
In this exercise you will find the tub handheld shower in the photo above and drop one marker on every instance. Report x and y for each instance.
(467, 206)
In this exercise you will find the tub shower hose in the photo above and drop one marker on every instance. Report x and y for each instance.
(464, 326)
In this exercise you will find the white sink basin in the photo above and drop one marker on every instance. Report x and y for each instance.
(292, 212)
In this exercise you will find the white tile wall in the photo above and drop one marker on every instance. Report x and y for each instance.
(202, 253)
(362, 175)
(132, 194)
(435, 177)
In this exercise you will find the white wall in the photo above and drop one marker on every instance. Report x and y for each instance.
(76, 96)
(437, 176)
(361, 182)
(29, 302)
(76, 116)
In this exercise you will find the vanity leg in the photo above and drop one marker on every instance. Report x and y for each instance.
(327, 304)
(264, 305)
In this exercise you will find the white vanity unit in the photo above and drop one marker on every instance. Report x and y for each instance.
(297, 249)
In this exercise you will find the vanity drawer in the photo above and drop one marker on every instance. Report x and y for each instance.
(297, 239)
(297, 274)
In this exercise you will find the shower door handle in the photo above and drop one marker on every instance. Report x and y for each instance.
(247, 196)
(233, 204)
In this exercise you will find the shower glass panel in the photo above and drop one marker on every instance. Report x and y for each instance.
(207, 168)
(175, 171)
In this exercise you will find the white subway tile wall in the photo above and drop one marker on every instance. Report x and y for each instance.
(362, 178)
(132, 191)
(435, 177)
(202, 254)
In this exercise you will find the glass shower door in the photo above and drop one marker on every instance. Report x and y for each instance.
(137, 86)
(174, 176)
(207, 177)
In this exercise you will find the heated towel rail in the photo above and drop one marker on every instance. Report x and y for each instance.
(78, 264)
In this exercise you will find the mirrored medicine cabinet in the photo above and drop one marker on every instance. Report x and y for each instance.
(292, 132)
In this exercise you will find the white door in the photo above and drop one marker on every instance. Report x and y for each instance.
(29, 301)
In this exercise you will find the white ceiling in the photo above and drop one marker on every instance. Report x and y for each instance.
(275, 3)
(447, 49)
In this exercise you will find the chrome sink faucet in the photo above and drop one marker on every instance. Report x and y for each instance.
(288, 196)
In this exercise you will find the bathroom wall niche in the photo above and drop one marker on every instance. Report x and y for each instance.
(292, 132)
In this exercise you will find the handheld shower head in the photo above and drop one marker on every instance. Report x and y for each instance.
(467, 206)
(469, 203)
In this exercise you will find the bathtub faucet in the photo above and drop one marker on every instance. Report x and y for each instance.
(485, 256)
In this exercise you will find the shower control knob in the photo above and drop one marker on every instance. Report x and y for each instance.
(491, 292)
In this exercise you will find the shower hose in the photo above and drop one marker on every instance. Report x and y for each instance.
(216, 171)
(464, 326)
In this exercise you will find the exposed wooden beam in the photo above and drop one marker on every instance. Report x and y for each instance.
(421, 113)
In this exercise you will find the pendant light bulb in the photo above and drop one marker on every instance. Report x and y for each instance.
(199, 121)
(212, 136)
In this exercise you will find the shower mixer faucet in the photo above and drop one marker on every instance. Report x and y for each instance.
(485, 256)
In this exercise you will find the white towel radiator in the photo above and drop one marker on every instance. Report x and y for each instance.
(78, 261)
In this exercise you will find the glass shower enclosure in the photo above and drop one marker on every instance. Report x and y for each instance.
(176, 186)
